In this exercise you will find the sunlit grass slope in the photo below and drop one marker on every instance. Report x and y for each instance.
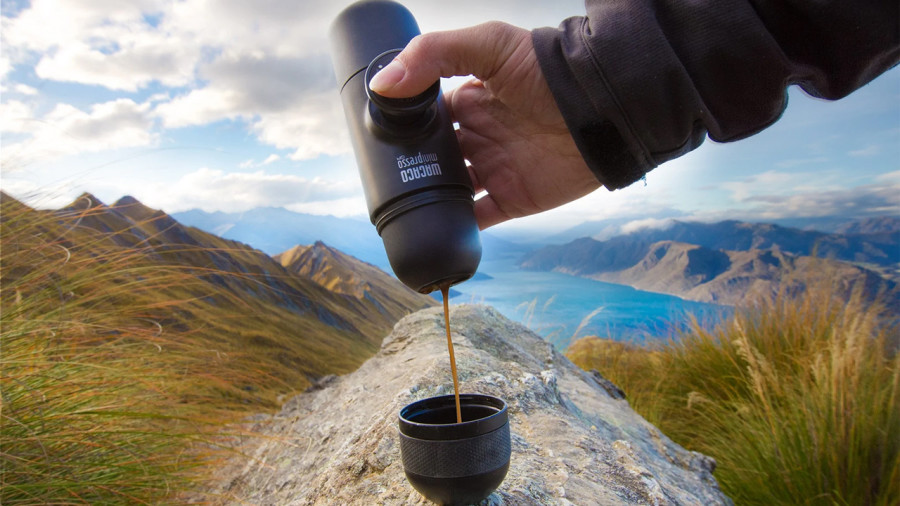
(129, 343)
(796, 398)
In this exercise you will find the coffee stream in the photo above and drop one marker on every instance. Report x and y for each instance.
(445, 293)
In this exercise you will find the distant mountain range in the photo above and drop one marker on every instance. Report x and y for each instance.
(275, 230)
(609, 228)
(731, 262)
(312, 312)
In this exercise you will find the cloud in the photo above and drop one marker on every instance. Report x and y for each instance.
(787, 164)
(867, 200)
(648, 223)
(289, 103)
(346, 207)
(250, 164)
(870, 150)
(14, 116)
(65, 130)
(106, 43)
(889, 178)
(24, 89)
(135, 62)
(215, 190)
(773, 182)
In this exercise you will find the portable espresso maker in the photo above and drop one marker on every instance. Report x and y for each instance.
(417, 187)
(454, 449)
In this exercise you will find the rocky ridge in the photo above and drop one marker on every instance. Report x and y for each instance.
(573, 441)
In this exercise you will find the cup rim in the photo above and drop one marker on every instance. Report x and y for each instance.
(452, 431)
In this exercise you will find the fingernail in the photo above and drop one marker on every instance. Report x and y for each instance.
(388, 77)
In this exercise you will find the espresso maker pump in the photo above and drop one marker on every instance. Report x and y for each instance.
(417, 188)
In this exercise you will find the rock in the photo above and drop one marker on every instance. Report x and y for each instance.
(573, 442)
(614, 391)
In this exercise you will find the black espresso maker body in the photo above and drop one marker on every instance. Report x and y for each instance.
(417, 187)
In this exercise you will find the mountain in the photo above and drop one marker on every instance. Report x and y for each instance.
(574, 439)
(108, 262)
(728, 262)
(872, 240)
(275, 230)
(739, 277)
(879, 225)
(369, 289)
(608, 228)
(879, 249)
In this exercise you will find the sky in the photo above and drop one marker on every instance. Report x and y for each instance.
(227, 105)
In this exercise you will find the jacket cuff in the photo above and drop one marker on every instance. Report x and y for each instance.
(592, 117)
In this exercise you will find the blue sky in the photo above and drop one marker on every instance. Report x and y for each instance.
(229, 105)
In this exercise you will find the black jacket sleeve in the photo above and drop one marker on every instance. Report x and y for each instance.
(640, 82)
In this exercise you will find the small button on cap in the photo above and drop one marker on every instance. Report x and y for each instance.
(405, 110)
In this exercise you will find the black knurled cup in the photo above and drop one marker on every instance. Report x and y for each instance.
(450, 462)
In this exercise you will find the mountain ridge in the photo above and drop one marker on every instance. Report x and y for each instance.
(730, 262)
(347, 275)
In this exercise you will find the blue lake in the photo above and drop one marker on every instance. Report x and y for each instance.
(556, 306)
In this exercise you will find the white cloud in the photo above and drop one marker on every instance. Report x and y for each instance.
(134, 62)
(24, 89)
(870, 150)
(15, 116)
(867, 200)
(765, 182)
(215, 190)
(108, 43)
(890, 178)
(648, 223)
(342, 208)
(251, 164)
(66, 130)
(312, 128)
(290, 103)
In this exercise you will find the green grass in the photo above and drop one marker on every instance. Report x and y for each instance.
(127, 361)
(101, 402)
(795, 397)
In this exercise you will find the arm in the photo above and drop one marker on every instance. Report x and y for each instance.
(643, 82)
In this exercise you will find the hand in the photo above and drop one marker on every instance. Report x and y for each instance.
(510, 128)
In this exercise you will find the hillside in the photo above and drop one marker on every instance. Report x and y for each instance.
(737, 277)
(235, 300)
(374, 292)
(729, 262)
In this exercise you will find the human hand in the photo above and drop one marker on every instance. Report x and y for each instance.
(510, 129)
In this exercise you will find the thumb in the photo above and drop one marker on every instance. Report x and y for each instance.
(479, 50)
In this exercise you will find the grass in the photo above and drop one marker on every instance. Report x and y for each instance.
(102, 403)
(127, 359)
(796, 397)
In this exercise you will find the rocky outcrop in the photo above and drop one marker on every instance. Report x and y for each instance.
(572, 442)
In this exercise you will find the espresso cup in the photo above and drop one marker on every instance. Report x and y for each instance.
(450, 462)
